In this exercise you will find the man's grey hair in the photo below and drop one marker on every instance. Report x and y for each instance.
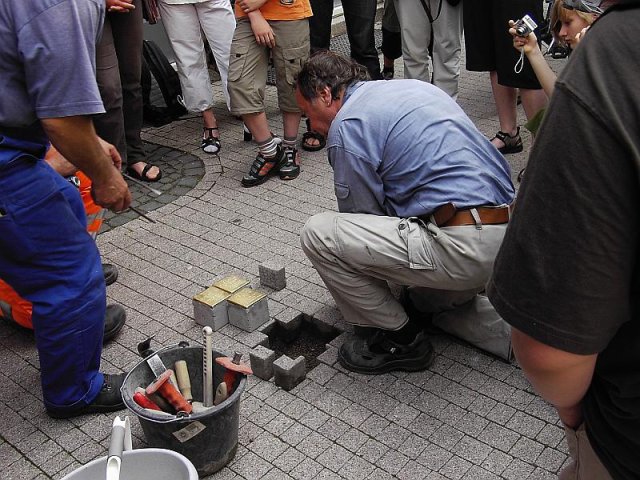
(328, 69)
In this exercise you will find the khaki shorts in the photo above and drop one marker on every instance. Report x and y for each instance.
(249, 62)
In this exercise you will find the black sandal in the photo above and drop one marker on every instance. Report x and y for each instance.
(143, 175)
(211, 144)
(512, 143)
(310, 134)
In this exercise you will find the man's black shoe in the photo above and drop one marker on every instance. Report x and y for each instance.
(113, 321)
(108, 400)
(110, 273)
(379, 354)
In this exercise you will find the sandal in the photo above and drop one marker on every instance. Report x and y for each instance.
(210, 144)
(512, 143)
(310, 134)
(262, 168)
(143, 175)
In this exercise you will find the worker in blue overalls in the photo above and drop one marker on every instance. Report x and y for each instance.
(47, 77)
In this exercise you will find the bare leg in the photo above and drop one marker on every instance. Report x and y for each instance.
(291, 123)
(505, 98)
(257, 125)
(533, 101)
(209, 120)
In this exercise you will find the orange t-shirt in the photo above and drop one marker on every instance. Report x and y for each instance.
(282, 10)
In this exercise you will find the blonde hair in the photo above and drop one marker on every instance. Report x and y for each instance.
(561, 14)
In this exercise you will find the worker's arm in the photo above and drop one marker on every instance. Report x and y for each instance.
(561, 378)
(75, 138)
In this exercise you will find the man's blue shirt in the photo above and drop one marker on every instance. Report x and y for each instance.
(47, 61)
(403, 148)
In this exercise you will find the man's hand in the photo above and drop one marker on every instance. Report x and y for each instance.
(250, 5)
(529, 43)
(112, 152)
(76, 139)
(261, 29)
(111, 192)
(119, 6)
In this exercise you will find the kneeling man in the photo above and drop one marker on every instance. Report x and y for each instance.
(423, 199)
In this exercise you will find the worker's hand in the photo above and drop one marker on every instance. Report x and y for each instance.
(262, 30)
(112, 152)
(529, 43)
(111, 192)
(250, 5)
(119, 6)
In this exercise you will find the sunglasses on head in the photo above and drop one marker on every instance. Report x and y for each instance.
(585, 6)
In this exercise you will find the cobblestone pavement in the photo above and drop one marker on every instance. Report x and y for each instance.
(470, 416)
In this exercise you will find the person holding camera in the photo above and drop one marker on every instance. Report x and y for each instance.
(570, 20)
(489, 49)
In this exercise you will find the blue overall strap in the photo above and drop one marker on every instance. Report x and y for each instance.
(48, 257)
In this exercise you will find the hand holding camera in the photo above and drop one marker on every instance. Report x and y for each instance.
(525, 43)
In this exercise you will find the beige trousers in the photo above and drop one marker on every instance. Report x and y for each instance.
(585, 465)
(357, 254)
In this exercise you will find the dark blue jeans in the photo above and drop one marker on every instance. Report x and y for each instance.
(359, 17)
(48, 257)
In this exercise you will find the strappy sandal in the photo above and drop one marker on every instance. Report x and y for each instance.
(263, 168)
(309, 135)
(512, 143)
(211, 144)
(143, 175)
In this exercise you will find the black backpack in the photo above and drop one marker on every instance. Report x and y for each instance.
(155, 66)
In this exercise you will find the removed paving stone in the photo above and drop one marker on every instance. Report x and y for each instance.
(272, 275)
(288, 372)
(262, 359)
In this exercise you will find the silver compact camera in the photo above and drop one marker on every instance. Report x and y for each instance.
(525, 26)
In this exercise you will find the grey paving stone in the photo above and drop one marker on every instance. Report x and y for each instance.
(434, 457)
(355, 415)
(251, 466)
(550, 435)
(550, 459)
(272, 274)
(525, 424)
(403, 414)
(498, 437)
(413, 471)
(497, 462)
(501, 413)
(352, 439)
(267, 446)
(289, 459)
(413, 446)
(333, 428)
(262, 359)
(455, 468)
(526, 449)
(392, 462)
(314, 445)
(517, 469)
(478, 473)
(307, 469)
(334, 457)
(356, 468)
(372, 450)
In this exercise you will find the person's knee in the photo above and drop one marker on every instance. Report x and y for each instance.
(315, 231)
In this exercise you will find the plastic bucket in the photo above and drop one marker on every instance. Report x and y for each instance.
(143, 464)
(209, 439)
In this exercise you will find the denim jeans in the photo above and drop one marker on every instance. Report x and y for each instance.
(359, 17)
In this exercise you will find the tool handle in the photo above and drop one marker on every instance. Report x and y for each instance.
(207, 367)
(145, 402)
(184, 382)
(175, 398)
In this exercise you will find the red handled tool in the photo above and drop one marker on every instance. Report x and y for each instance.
(142, 400)
(170, 393)
(234, 367)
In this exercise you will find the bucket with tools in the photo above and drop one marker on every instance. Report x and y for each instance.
(178, 410)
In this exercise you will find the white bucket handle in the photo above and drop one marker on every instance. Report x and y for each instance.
(120, 441)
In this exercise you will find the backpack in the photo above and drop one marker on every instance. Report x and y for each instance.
(155, 66)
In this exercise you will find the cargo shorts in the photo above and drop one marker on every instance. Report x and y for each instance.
(249, 62)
